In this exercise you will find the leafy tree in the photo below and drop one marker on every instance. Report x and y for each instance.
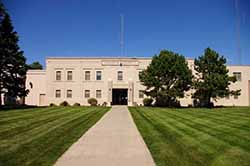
(35, 65)
(212, 80)
(166, 78)
(13, 67)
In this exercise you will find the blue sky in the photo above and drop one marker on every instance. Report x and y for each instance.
(92, 27)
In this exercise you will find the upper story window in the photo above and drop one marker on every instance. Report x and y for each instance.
(237, 75)
(58, 93)
(120, 75)
(236, 96)
(98, 94)
(139, 73)
(69, 93)
(69, 75)
(98, 75)
(87, 75)
(87, 93)
(141, 94)
(58, 75)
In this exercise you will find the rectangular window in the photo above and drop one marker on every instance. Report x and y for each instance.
(141, 94)
(236, 96)
(119, 75)
(237, 75)
(98, 75)
(87, 75)
(69, 93)
(227, 97)
(87, 93)
(139, 74)
(58, 93)
(98, 94)
(58, 75)
(69, 75)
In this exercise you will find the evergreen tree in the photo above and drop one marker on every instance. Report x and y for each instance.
(166, 78)
(13, 67)
(212, 80)
(35, 65)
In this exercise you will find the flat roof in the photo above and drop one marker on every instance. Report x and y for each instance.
(120, 57)
(96, 57)
(102, 57)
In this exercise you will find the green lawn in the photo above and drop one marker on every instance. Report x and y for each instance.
(214, 137)
(39, 136)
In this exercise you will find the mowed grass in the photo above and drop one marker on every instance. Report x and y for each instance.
(204, 137)
(39, 136)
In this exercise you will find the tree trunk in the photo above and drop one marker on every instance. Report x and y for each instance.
(0, 99)
(208, 102)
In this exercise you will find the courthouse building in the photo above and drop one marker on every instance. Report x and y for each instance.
(110, 80)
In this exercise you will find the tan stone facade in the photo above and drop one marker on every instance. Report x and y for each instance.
(110, 80)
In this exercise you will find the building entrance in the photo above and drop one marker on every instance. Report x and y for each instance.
(119, 96)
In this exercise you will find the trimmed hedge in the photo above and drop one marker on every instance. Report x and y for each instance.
(92, 101)
(64, 103)
(147, 101)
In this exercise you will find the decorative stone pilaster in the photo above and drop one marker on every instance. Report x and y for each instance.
(110, 86)
(130, 93)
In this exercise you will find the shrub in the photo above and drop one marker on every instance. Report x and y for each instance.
(201, 103)
(104, 104)
(77, 104)
(52, 105)
(92, 101)
(64, 103)
(147, 101)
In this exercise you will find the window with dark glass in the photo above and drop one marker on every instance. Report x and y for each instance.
(120, 75)
(98, 94)
(58, 93)
(98, 75)
(58, 75)
(237, 75)
(139, 74)
(69, 93)
(69, 75)
(87, 75)
(87, 93)
(141, 94)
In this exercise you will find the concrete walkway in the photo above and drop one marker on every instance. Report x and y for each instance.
(113, 141)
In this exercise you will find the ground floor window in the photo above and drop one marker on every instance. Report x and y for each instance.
(141, 94)
(69, 93)
(87, 93)
(58, 93)
(98, 94)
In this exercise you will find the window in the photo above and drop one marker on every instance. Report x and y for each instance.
(69, 75)
(58, 93)
(58, 75)
(87, 93)
(119, 76)
(139, 74)
(87, 75)
(236, 96)
(69, 93)
(98, 75)
(237, 75)
(141, 94)
(98, 94)
(227, 97)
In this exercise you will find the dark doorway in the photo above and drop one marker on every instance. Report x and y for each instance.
(119, 96)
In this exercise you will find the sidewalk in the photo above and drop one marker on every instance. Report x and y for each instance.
(112, 141)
